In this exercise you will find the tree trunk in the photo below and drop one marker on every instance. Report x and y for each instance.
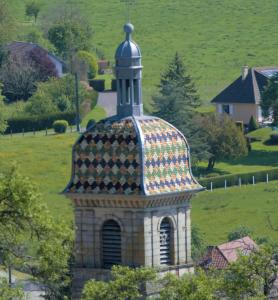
(211, 164)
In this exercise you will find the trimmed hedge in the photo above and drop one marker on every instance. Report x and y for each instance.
(233, 179)
(97, 84)
(273, 139)
(60, 126)
(114, 85)
(30, 123)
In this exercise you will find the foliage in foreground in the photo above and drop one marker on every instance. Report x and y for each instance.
(126, 284)
(8, 292)
(250, 277)
(30, 240)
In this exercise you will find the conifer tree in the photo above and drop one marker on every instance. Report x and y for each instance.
(177, 102)
(253, 125)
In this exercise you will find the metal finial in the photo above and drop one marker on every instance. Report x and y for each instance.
(128, 29)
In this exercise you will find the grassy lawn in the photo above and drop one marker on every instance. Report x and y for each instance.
(215, 37)
(217, 213)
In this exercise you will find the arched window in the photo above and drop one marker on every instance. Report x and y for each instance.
(166, 242)
(111, 244)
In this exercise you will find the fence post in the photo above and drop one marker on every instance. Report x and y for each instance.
(211, 186)
(239, 182)
(267, 178)
(253, 180)
(225, 184)
(11, 132)
(45, 131)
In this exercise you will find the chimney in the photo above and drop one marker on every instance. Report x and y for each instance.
(244, 72)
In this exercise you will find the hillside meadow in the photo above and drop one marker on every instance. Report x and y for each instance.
(215, 37)
(47, 161)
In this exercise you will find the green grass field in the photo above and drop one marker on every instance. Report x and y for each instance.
(215, 37)
(219, 212)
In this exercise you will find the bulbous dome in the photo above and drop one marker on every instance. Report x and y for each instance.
(128, 48)
(133, 155)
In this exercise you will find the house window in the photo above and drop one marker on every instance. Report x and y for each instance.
(111, 244)
(226, 109)
(166, 242)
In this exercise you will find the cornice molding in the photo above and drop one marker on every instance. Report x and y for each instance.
(124, 201)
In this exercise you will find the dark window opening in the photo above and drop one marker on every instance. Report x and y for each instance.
(226, 108)
(136, 91)
(111, 244)
(127, 93)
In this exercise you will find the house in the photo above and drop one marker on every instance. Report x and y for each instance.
(104, 67)
(25, 48)
(220, 256)
(241, 99)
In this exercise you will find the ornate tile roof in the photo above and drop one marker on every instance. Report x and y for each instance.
(133, 155)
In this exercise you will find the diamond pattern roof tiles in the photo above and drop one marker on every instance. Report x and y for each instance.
(133, 155)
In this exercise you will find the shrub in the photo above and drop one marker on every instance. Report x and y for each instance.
(30, 123)
(90, 123)
(97, 84)
(240, 125)
(273, 139)
(238, 233)
(56, 95)
(91, 60)
(253, 124)
(60, 126)
(114, 85)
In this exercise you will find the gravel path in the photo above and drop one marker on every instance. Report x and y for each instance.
(108, 100)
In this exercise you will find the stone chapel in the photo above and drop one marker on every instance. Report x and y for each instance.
(131, 185)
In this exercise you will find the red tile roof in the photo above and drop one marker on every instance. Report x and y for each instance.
(220, 256)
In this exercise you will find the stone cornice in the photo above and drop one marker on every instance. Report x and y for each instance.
(124, 201)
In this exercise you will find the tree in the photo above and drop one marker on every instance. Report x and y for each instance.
(253, 124)
(55, 95)
(19, 79)
(30, 239)
(177, 102)
(8, 292)
(69, 35)
(251, 275)
(91, 60)
(239, 233)
(224, 139)
(32, 9)
(3, 121)
(238, 281)
(20, 74)
(269, 102)
(126, 284)
(190, 287)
